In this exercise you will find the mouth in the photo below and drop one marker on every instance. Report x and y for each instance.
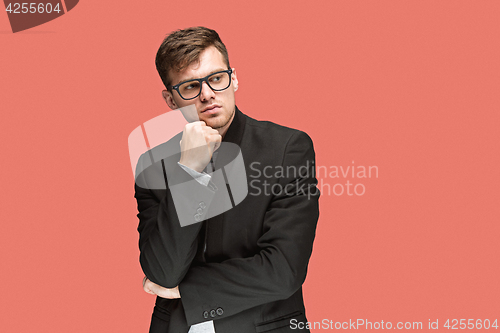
(214, 108)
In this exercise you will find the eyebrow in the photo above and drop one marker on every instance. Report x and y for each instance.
(194, 78)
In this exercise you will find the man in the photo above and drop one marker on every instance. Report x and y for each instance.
(241, 269)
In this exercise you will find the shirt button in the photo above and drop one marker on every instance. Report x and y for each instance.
(205, 314)
(220, 311)
(212, 313)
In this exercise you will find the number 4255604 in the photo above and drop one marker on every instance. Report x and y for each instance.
(470, 324)
(32, 7)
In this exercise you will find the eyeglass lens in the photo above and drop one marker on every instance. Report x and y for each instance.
(217, 82)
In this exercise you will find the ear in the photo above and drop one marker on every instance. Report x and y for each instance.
(169, 98)
(234, 79)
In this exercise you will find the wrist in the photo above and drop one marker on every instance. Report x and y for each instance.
(193, 166)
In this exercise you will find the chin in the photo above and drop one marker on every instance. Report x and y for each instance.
(214, 122)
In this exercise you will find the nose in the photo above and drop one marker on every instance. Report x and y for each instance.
(206, 92)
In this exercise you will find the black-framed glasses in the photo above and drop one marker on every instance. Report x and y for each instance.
(191, 89)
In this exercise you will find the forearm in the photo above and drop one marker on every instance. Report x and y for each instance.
(168, 248)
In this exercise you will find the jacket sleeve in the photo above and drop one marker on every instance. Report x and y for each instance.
(168, 231)
(279, 268)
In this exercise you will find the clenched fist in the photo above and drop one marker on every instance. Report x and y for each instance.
(198, 143)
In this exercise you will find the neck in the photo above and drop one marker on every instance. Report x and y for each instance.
(223, 130)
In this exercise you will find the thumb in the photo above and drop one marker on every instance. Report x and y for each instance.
(217, 145)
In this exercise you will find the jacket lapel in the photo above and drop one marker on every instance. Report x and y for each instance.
(214, 235)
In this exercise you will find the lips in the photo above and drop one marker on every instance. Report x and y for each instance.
(211, 109)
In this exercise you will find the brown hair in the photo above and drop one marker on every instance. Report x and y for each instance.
(183, 47)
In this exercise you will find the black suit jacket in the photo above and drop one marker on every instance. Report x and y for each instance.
(244, 268)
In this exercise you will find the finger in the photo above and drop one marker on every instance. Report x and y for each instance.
(213, 139)
(209, 131)
(149, 292)
(196, 123)
(146, 289)
(217, 145)
(149, 287)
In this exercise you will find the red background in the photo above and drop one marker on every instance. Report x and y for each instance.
(411, 87)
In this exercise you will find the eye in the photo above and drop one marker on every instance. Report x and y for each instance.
(216, 78)
(190, 85)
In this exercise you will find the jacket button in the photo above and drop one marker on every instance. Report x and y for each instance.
(212, 313)
(220, 311)
(205, 314)
(202, 205)
(199, 210)
(197, 217)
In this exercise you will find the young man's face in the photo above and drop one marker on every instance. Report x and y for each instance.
(215, 108)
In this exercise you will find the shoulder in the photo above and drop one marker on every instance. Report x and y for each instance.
(274, 133)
